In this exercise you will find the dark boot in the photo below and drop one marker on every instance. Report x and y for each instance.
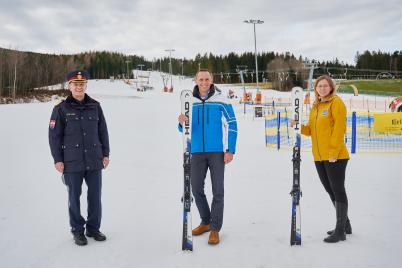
(80, 239)
(341, 216)
(348, 227)
(97, 235)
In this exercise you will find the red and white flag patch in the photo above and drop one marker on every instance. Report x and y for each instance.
(52, 124)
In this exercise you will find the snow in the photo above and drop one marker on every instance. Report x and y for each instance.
(142, 188)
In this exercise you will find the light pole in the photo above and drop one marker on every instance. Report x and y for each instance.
(170, 65)
(254, 22)
(128, 74)
(15, 80)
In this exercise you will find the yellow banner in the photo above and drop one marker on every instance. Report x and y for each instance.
(388, 122)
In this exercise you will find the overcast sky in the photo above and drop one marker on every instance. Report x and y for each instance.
(315, 29)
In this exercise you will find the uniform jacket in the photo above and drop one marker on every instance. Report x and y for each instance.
(213, 123)
(327, 127)
(78, 134)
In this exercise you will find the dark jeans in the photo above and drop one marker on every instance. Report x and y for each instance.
(74, 180)
(332, 176)
(200, 163)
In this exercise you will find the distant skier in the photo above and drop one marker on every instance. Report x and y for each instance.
(79, 144)
(327, 127)
(213, 144)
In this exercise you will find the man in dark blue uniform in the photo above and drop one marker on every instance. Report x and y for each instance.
(79, 144)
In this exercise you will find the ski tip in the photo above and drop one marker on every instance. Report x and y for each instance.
(186, 93)
(297, 89)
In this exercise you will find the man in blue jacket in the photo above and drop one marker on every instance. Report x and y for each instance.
(79, 144)
(213, 144)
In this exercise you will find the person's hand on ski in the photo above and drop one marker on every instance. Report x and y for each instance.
(182, 118)
(228, 157)
(292, 122)
(59, 166)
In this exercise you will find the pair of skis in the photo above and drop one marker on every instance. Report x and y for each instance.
(297, 107)
(186, 98)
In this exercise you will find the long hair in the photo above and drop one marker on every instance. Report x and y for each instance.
(331, 85)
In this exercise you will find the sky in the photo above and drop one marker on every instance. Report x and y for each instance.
(320, 30)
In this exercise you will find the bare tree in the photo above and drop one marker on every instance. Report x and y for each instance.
(286, 73)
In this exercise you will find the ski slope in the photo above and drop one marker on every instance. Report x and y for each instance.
(142, 212)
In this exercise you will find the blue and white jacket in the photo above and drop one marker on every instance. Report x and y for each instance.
(213, 124)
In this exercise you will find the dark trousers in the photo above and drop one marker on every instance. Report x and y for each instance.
(74, 180)
(332, 176)
(200, 163)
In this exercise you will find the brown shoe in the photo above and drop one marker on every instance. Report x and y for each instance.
(213, 238)
(202, 228)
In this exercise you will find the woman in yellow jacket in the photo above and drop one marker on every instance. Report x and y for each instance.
(327, 127)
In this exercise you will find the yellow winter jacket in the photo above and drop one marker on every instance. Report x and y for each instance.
(327, 127)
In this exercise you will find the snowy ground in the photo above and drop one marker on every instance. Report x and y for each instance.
(142, 188)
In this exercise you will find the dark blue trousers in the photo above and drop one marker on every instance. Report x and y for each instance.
(200, 163)
(74, 180)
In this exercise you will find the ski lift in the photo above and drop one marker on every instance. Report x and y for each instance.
(329, 74)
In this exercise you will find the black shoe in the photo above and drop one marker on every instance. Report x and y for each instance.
(97, 235)
(80, 239)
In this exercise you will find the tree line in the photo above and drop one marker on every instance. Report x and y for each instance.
(378, 60)
(21, 73)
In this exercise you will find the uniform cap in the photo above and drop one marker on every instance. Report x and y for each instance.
(77, 76)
